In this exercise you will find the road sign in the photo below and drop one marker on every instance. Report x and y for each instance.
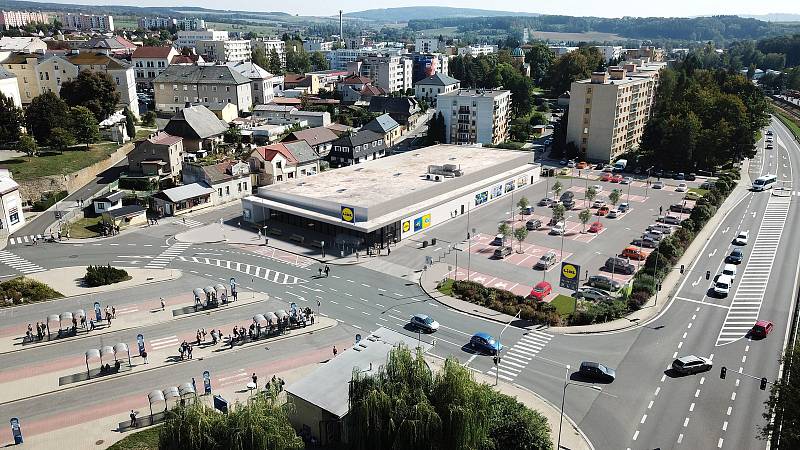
(206, 382)
(140, 343)
(220, 404)
(570, 276)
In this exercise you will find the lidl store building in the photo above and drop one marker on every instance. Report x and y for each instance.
(393, 198)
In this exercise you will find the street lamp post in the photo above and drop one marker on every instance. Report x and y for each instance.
(266, 240)
(647, 181)
(500, 350)
(563, 399)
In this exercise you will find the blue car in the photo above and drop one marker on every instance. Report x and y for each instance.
(485, 343)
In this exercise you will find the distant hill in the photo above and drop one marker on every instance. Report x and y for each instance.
(775, 17)
(429, 12)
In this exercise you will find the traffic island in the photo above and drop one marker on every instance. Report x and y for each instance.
(70, 280)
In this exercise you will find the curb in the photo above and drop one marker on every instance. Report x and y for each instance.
(131, 372)
(321, 261)
(569, 419)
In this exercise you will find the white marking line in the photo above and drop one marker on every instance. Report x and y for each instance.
(644, 417)
(685, 422)
(636, 435)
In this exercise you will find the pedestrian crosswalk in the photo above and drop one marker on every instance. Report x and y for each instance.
(126, 310)
(18, 263)
(746, 303)
(27, 239)
(191, 223)
(162, 260)
(165, 342)
(273, 276)
(514, 359)
(239, 377)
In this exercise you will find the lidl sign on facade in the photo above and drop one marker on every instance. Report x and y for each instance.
(348, 214)
(570, 276)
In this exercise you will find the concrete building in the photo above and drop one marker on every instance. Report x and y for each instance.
(275, 114)
(317, 45)
(475, 116)
(182, 199)
(87, 22)
(427, 45)
(356, 148)
(18, 19)
(149, 62)
(356, 88)
(161, 155)
(9, 86)
(11, 216)
(190, 24)
(229, 179)
(262, 83)
(22, 44)
(477, 50)
(116, 46)
(427, 64)
(281, 162)
(153, 23)
(203, 85)
(645, 52)
(23, 67)
(390, 199)
(608, 112)
(189, 38)
(230, 50)
(200, 128)
(429, 88)
(108, 202)
(610, 52)
(559, 50)
(320, 139)
(386, 127)
(268, 45)
(119, 70)
(340, 58)
(391, 73)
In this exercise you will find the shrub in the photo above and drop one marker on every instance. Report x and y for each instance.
(506, 302)
(49, 199)
(104, 275)
(25, 290)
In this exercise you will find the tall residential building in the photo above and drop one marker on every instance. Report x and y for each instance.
(18, 19)
(608, 112)
(230, 50)
(190, 24)
(427, 45)
(209, 86)
(268, 45)
(317, 45)
(477, 50)
(610, 52)
(339, 59)
(87, 22)
(473, 116)
(427, 64)
(262, 83)
(189, 38)
(390, 73)
(152, 23)
(149, 62)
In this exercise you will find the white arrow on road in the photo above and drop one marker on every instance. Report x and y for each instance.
(712, 253)
(697, 282)
(726, 230)
(754, 213)
(500, 285)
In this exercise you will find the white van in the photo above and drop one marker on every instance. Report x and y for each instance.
(764, 182)
(723, 285)
(729, 270)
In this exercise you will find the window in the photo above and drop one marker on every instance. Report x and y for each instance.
(176, 99)
(245, 185)
(219, 191)
(101, 205)
(185, 87)
(278, 164)
(291, 174)
(13, 216)
(239, 186)
(227, 190)
(279, 178)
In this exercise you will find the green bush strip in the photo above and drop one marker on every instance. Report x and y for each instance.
(104, 275)
(23, 290)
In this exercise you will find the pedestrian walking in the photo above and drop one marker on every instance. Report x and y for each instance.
(320, 272)
(198, 336)
(144, 356)
(255, 379)
(194, 384)
(163, 304)
(203, 332)
(133, 419)
(91, 324)
(189, 350)
(230, 340)
(327, 270)
(335, 351)
(660, 210)
(114, 312)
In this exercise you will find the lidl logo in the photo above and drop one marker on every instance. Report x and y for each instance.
(426, 221)
(406, 226)
(348, 215)
(569, 271)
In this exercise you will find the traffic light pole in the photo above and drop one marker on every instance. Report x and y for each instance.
(764, 381)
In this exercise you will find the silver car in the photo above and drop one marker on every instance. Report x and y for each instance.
(590, 293)
(691, 364)
(424, 322)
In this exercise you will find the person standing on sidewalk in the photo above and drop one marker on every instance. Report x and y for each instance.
(144, 356)
(133, 419)
(255, 379)
(163, 304)
(335, 351)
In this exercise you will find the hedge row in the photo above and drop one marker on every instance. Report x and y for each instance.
(25, 290)
(506, 302)
(104, 275)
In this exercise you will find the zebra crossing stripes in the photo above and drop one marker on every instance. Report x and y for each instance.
(165, 342)
(191, 223)
(746, 304)
(270, 275)
(30, 238)
(160, 261)
(19, 264)
(514, 359)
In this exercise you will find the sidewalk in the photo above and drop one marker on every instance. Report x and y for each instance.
(430, 278)
(69, 280)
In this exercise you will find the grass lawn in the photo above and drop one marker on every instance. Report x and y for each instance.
(85, 228)
(791, 123)
(141, 440)
(564, 304)
(699, 191)
(446, 288)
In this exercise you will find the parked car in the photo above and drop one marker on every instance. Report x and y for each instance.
(616, 178)
(669, 174)
(582, 165)
(545, 201)
(597, 371)
(645, 242)
(741, 238)
(502, 252)
(735, 257)
(634, 253)
(603, 282)
(605, 176)
(540, 291)
(769, 132)
(729, 270)
(691, 177)
(654, 235)
(619, 265)
(598, 166)
(669, 220)
(691, 364)
(546, 261)
(660, 227)
(682, 187)
(626, 180)
(528, 210)
(571, 163)
(708, 184)
(623, 207)
(603, 210)
(680, 176)
(769, 147)
(598, 188)
(595, 227)
(499, 239)
(761, 329)
(424, 322)
(598, 204)
(533, 224)
(691, 195)
(658, 185)
(558, 229)
(613, 214)
(484, 342)
(590, 293)
(680, 208)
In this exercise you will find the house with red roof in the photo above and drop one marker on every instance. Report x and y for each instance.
(149, 62)
(357, 88)
(161, 155)
(283, 161)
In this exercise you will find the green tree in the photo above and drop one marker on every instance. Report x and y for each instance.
(83, 125)
(27, 145)
(584, 216)
(94, 90)
(297, 61)
(573, 66)
(614, 197)
(590, 195)
(540, 59)
(319, 62)
(61, 139)
(259, 58)
(557, 188)
(233, 136)
(46, 111)
(130, 123)
(274, 64)
(558, 212)
(149, 119)
(520, 233)
(523, 204)
(505, 230)
(781, 415)
(11, 119)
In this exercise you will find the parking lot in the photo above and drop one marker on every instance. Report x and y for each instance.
(516, 271)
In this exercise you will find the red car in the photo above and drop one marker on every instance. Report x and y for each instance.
(605, 176)
(541, 291)
(761, 329)
(616, 178)
(602, 211)
(595, 227)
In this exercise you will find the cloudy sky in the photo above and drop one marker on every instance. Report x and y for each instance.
(567, 7)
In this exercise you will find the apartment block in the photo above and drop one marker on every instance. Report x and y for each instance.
(390, 73)
(427, 45)
(18, 19)
(268, 45)
(477, 50)
(231, 50)
(152, 23)
(608, 112)
(427, 64)
(189, 38)
(149, 62)
(317, 45)
(262, 83)
(87, 22)
(560, 50)
(209, 86)
(610, 52)
(190, 24)
(475, 116)
(340, 58)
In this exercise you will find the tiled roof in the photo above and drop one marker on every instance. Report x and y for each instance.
(355, 79)
(201, 75)
(405, 105)
(186, 59)
(293, 78)
(152, 52)
(185, 192)
(195, 122)
(250, 70)
(97, 59)
(359, 138)
(297, 152)
(112, 43)
(382, 124)
(313, 136)
(268, 152)
(370, 89)
(438, 79)
(19, 58)
(163, 138)
(274, 108)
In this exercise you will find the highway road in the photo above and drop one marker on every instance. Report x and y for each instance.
(646, 407)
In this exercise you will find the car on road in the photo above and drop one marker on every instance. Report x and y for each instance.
(527, 211)
(603, 210)
(619, 265)
(681, 187)
(540, 291)
(605, 176)
(598, 166)
(680, 176)
(603, 282)
(691, 195)
(571, 163)
(597, 371)
(499, 239)
(613, 214)
(769, 139)
(669, 174)
(769, 147)
(741, 238)
(729, 270)
(736, 256)
(769, 132)
(608, 168)
(484, 342)
(590, 293)
(645, 242)
(563, 162)
(761, 329)
(680, 208)
(669, 220)
(708, 184)
(533, 224)
(502, 252)
(546, 261)
(691, 364)
(595, 227)
(598, 204)
(722, 286)
(634, 253)
(623, 207)
(558, 229)
(545, 201)
(582, 165)
(616, 178)
(626, 180)
(424, 322)
(658, 185)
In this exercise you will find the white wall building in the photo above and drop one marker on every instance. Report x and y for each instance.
(475, 115)
(262, 83)
(317, 45)
(268, 45)
(610, 51)
(11, 217)
(391, 73)
(18, 19)
(427, 45)
(231, 50)
(87, 22)
(149, 62)
(189, 38)
(476, 50)
(151, 23)
(189, 24)
(340, 58)
(9, 87)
